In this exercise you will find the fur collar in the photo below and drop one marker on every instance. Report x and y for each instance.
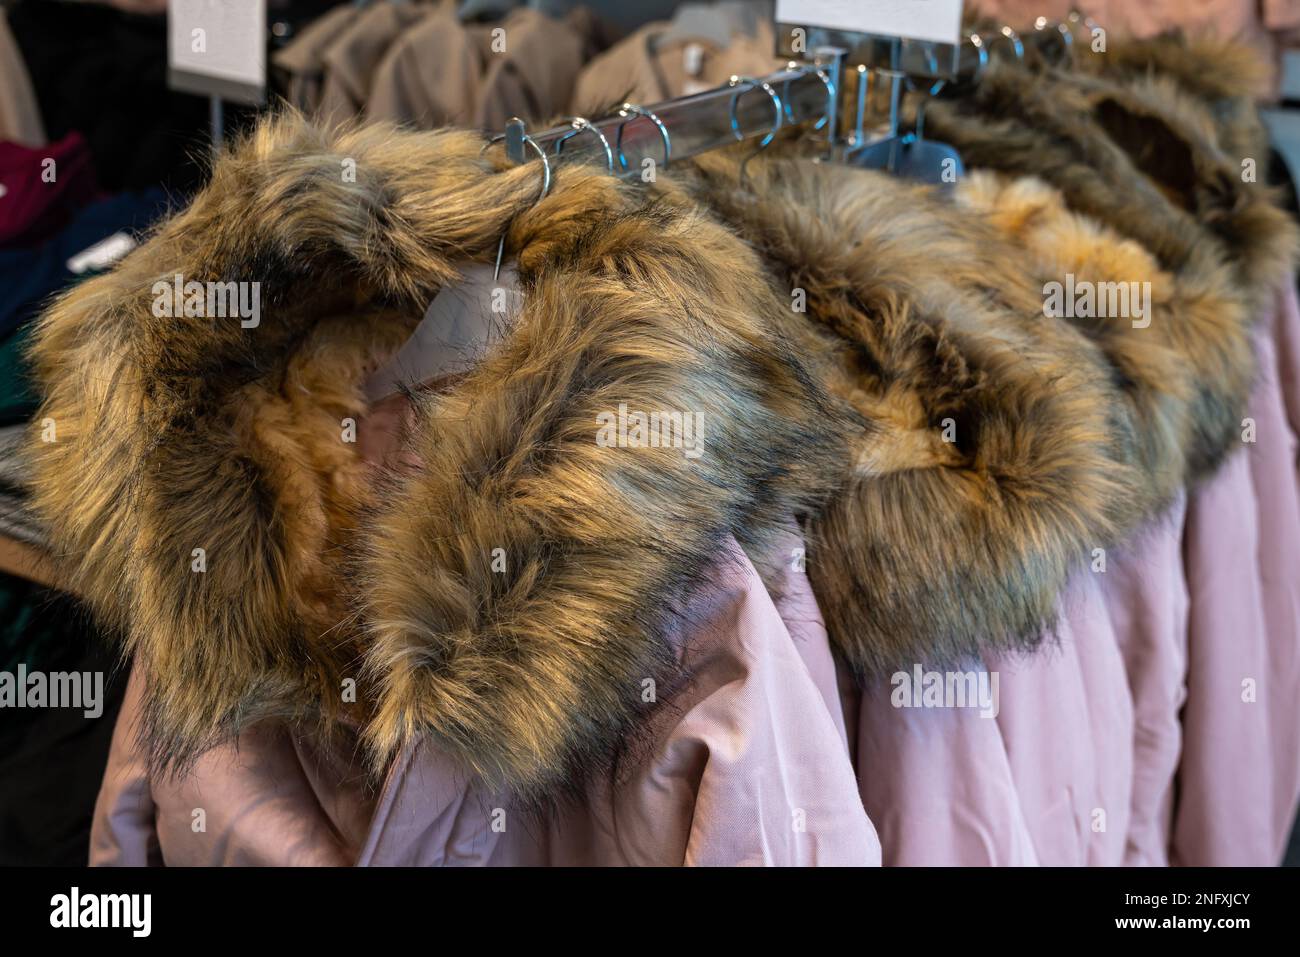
(1140, 154)
(1225, 76)
(996, 452)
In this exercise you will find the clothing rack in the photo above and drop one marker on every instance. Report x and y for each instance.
(922, 60)
(749, 109)
(756, 108)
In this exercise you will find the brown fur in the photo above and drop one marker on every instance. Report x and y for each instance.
(1226, 76)
(935, 551)
(1157, 383)
(1142, 157)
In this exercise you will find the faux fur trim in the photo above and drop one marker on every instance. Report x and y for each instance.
(1226, 76)
(1155, 422)
(998, 452)
(177, 434)
(1074, 437)
(1207, 65)
(1141, 154)
(1211, 68)
(1142, 158)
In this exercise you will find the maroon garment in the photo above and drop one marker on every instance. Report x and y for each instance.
(41, 188)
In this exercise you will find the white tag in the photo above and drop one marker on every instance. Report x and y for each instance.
(463, 320)
(4, 190)
(692, 59)
(102, 254)
(935, 20)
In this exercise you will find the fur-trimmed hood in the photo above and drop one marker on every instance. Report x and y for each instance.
(1142, 156)
(1226, 77)
(180, 434)
(954, 454)
(993, 460)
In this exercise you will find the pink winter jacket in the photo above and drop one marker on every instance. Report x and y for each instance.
(1239, 776)
(1132, 741)
(749, 765)
(1047, 781)
(1161, 725)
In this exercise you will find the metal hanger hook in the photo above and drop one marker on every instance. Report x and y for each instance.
(982, 55)
(778, 119)
(583, 125)
(753, 84)
(627, 110)
(932, 63)
(1063, 33)
(541, 154)
(826, 82)
(546, 189)
(865, 82)
(1076, 21)
(1017, 45)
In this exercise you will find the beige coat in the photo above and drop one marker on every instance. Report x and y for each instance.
(646, 69)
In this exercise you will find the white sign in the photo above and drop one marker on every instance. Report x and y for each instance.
(936, 20)
(218, 48)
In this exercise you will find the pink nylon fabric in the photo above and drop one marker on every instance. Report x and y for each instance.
(1146, 598)
(266, 799)
(939, 786)
(1287, 339)
(1046, 781)
(1273, 459)
(1067, 721)
(747, 764)
(1239, 777)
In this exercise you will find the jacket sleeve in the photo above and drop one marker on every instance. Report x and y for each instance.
(122, 833)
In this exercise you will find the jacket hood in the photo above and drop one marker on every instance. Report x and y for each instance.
(1135, 150)
(1143, 158)
(997, 452)
(180, 434)
(1067, 434)
(1226, 77)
